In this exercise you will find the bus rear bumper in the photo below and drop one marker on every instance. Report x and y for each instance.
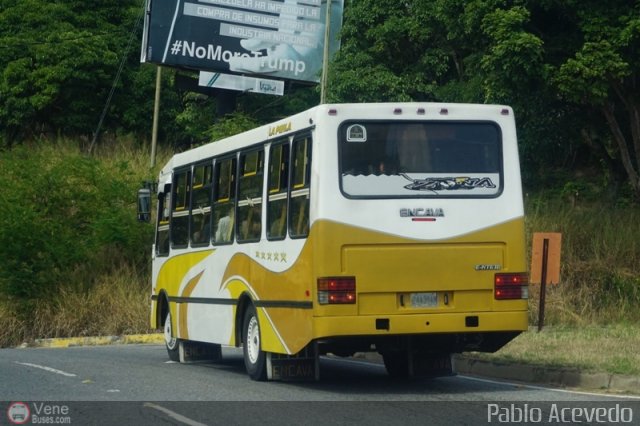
(481, 331)
(465, 322)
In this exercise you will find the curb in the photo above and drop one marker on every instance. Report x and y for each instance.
(564, 377)
(536, 374)
(67, 342)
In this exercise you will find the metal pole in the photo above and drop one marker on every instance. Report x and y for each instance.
(156, 113)
(325, 56)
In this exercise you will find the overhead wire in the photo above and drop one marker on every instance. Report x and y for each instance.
(117, 77)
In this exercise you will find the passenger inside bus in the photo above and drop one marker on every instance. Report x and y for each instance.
(407, 150)
(250, 227)
(278, 219)
(224, 230)
(389, 150)
(203, 232)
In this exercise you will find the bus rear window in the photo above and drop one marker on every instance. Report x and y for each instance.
(418, 159)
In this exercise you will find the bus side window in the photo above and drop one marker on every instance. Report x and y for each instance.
(201, 204)
(300, 179)
(277, 193)
(224, 201)
(180, 210)
(162, 232)
(249, 213)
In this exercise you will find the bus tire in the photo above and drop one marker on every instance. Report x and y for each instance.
(254, 357)
(170, 340)
(397, 364)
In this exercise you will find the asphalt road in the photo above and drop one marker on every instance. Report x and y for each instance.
(136, 384)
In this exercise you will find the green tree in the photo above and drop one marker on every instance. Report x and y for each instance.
(600, 74)
(57, 63)
(384, 54)
(569, 69)
(452, 51)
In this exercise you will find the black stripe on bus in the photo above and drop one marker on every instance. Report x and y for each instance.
(203, 300)
(258, 303)
(283, 304)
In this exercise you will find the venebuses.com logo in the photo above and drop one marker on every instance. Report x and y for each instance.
(18, 413)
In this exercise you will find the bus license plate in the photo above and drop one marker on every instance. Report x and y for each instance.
(424, 300)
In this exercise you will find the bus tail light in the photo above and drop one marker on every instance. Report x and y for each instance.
(511, 286)
(336, 290)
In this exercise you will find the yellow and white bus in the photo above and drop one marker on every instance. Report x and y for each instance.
(395, 228)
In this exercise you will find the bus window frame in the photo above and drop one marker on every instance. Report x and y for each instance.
(241, 174)
(283, 143)
(233, 190)
(183, 208)
(460, 196)
(206, 163)
(162, 205)
(302, 135)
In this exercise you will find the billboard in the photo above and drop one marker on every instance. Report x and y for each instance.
(277, 38)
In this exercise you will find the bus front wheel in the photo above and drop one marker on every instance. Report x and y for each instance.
(254, 357)
(170, 340)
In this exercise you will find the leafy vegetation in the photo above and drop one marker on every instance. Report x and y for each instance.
(66, 221)
(600, 273)
(567, 68)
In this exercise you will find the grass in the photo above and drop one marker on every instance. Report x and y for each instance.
(110, 299)
(600, 272)
(116, 304)
(592, 318)
(611, 348)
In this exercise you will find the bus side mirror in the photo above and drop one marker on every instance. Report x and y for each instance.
(144, 205)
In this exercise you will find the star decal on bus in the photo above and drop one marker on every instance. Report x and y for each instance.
(273, 256)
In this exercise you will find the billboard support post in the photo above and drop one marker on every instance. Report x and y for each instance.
(156, 113)
(325, 56)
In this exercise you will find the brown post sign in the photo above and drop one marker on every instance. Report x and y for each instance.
(552, 269)
(545, 265)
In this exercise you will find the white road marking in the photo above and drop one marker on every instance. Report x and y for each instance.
(499, 382)
(174, 415)
(49, 369)
(523, 385)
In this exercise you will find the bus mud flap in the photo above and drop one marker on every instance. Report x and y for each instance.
(303, 366)
(198, 351)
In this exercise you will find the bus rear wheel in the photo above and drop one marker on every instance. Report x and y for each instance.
(170, 340)
(404, 364)
(397, 364)
(254, 357)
